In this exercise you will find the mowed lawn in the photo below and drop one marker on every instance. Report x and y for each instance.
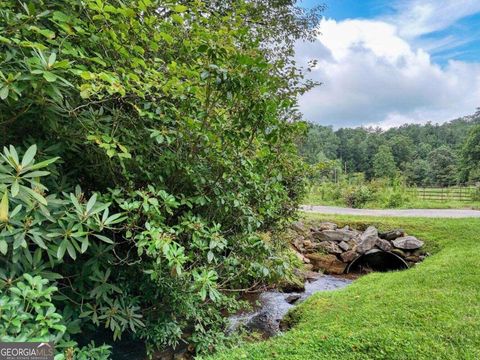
(431, 311)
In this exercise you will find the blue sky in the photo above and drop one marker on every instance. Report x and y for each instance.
(391, 62)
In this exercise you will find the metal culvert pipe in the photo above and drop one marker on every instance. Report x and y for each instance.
(377, 260)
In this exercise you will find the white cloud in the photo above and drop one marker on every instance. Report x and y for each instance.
(418, 17)
(372, 75)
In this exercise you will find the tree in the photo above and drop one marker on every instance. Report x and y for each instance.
(319, 140)
(442, 167)
(384, 163)
(402, 150)
(470, 155)
(417, 172)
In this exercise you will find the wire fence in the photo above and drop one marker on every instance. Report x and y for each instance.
(457, 193)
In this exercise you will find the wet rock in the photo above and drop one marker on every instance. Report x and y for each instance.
(392, 235)
(329, 247)
(367, 240)
(264, 323)
(344, 246)
(311, 275)
(327, 262)
(348, 256)
(294, 284)
(383, 244)
(413, 258)
(292, 298)
(334, 235)
(407, 243)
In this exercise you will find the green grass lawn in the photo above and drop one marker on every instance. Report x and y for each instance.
(431, 311)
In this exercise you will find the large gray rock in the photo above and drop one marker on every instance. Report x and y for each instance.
(407, 243)
(329, 247)
(344, 246)
(367, 240)
(335, 235)
(383, 244)
(392, 235)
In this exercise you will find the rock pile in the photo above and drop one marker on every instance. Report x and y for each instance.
(330, 248)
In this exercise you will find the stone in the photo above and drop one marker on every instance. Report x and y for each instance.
(311, 275)
(294, 284)
(334, 235)
(407, 243)
(413, 258)
(298, 226)
(367, 240)
(344, 246)
(327, 226)
(292, 298)
(327, 262)
(307, 244)
(392, 235)
(329, 247)
(308, 267)
(349, 256)
(298, 243)
(383, 244)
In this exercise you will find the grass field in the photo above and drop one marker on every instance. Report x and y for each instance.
(431, 311)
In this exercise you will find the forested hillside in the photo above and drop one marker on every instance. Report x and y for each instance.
(429, 154)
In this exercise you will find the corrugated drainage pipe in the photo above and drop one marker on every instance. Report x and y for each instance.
(377, 260)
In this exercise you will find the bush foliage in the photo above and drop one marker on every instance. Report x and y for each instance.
(179, 122)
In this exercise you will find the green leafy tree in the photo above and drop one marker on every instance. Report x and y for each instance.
(320, 143)
(403, 150)
(470, 160)
(384, 163)
(417, 172)
(442, 167)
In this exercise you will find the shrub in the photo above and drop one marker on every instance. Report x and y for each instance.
(180, 124)
(357, 196)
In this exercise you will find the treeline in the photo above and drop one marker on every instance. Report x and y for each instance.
(425, 155)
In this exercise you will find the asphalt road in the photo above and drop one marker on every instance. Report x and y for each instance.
(430, 213)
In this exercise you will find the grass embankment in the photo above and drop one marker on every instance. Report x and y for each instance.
(431, 311)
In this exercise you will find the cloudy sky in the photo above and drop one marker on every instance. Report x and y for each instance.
(389, 62)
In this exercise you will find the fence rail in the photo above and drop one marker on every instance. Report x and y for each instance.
(457, 193)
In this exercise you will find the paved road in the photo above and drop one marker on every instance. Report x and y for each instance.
(431, 213)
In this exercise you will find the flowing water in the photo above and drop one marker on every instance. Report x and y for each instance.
(265, 318)
(274, 305)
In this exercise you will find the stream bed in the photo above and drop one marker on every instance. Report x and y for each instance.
(274, 305)
(269, 308)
